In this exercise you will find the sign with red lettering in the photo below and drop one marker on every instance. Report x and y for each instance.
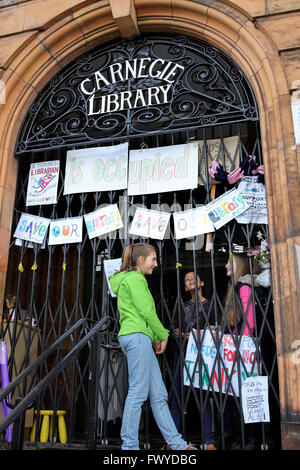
(103, 220)
(219, 361)
(163, 169)
(96, 169)
(149, 224)
(63, 231)
(42, 183)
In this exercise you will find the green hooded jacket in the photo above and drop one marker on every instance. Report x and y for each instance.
(136, 306)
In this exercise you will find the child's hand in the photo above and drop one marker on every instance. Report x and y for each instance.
(160, 347)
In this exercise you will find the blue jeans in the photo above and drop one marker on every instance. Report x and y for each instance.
(145, 380)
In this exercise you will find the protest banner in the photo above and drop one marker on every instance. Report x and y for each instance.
(42, 183)
(111, 266)
(218, 365)
(255, 401)
(226, 208)
(149, 223)
(191, 223)
(254, 194)
(63, 231)
(32, 228)
(163, 169)
(96, 169)
(102, 221)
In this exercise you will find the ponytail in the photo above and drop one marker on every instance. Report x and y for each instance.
(131, 253)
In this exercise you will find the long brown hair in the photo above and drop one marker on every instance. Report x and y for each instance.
(131, 254)
(240, 264)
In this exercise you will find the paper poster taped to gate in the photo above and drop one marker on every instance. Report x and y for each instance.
(218, 361)
(226, 208)
(96, 169)
(191, 223)
(42, 183)
(149, 223)
(254, 194)
(111, 266)
(255, 401)
(163, 169)
(32, 228)
(103, 220)
(64, 231)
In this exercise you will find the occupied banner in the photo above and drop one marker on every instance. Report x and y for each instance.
(32, 228)
(191, 223)
(42, 183)
(163, 169)
(102, 221)
(226, 208)
(96, 169)
(218, 367)
(63, 231)
(149, 224)
(254, 194)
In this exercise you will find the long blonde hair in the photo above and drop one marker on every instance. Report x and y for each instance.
(240, 263)
(131, 254)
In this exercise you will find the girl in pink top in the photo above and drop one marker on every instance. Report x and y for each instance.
(239, 313)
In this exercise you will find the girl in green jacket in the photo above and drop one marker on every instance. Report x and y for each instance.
(140, 332)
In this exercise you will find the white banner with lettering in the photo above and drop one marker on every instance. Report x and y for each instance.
(191, 223)
(96, 169)
(254, 194)
(149, 223)
(32, 228)
(219, 368)
(226, 208)
(163, 169)
(42, 183)
(103, 220)
(62, 231)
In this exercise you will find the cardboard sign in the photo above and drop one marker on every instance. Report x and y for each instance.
(255, 401)
(64, 231)
(218, 373)
(163, 169)
(102, 221)
(254, 194)
(32, 228)
(149, 224)
(96, 169)
(191, 223)
(226, 208)
(42, 183)
(111, 266)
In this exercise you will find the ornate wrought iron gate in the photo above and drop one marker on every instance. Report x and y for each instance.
(210, 102)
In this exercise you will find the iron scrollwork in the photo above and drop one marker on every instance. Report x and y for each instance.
(209, 90)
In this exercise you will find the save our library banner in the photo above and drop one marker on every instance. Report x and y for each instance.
(146, 171)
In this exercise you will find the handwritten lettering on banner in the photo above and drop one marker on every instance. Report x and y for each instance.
(63, 231)
(163, 169)
(102, 221)
(96, 169)
(32, 228)
(191, 223)
(226, 208)
(216, 370)
(42, 183)
(255, 401)
(149, 224)
(254, 194)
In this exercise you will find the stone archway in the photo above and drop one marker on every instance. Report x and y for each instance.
(43, 55)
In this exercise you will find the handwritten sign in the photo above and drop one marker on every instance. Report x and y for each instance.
(255, 401)
(111, 266)
(163, 169)
(102, 221)
(149, 224)
(63, 231)
(96, 169)
(191, 223)
(42, 183)
(32, 228)
(226, 208)
(218, 365)
(254, 194)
